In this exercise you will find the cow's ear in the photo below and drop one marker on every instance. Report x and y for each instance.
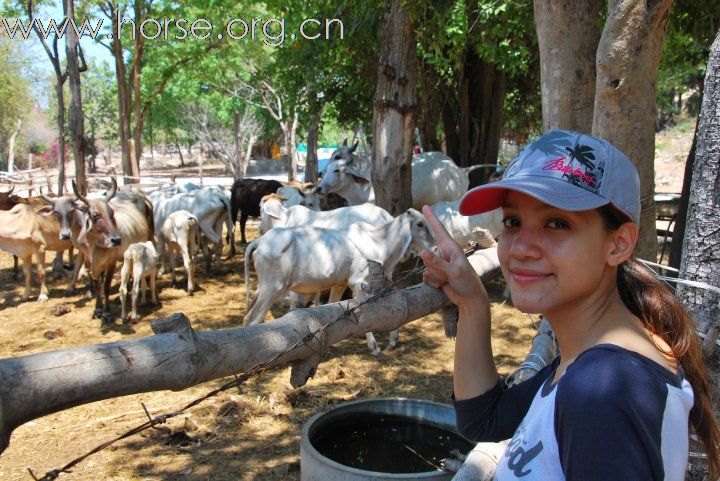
(274, 209)
(358, 175)
(81, 206)
(45, 210)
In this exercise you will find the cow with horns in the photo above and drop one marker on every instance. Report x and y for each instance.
(102, 229)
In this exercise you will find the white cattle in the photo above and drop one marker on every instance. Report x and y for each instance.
(309, 259)
(461, 226)
(484, 260)
(290, 195)
(209, 205)
(180, 232)
(140, 262)
(435, 178)
(274, 214)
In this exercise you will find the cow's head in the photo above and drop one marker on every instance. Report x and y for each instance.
(272, 212)
(94, 218)
(345, 152)
(421, 236)
(340, 175)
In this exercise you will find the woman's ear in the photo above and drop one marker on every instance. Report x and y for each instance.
(624, 243)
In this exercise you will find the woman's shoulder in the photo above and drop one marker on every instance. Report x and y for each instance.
(608, 374)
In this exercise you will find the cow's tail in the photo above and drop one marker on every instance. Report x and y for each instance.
(150, 217)
(467, 170)
(248, 254)
(229, 220)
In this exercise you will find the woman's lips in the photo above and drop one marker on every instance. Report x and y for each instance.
(524, 276)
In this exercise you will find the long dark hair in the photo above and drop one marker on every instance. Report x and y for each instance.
(653, 302)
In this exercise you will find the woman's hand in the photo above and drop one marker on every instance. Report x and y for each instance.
(449, 269)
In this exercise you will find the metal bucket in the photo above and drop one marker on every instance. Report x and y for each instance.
(431, 417)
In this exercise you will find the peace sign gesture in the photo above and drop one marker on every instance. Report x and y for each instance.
(449, 269)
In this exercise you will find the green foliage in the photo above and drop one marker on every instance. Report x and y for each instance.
(99, 91)
(691, 30)
(15, 88)
(502, 33)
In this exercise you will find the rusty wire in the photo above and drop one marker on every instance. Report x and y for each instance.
(348, 313)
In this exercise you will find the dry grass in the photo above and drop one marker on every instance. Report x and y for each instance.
(253, 435)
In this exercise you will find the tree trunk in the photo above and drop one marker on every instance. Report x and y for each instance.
(429, 115)
(568, 35)
(450, 118)
(179, 149)
(394, 113)
(486, 98)
(700, 253)
(138, 113)
(237, 146)
(291, 146)
(11, 147)
(77, 128)
(311, 162)
(627, 67)
(61, 134)
(124, 131)
(678, 234)
(71, 377)
(246, 160)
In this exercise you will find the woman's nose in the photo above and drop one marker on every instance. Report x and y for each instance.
(525, 244)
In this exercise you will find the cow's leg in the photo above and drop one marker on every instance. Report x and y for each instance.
(206, 254)
(79, 260)
(99, 293)
(58, 269)
(40, 254)
(107, 315)
(137, 279)
(219, 244)
(189, 268)
(336, 293)
(172, 253)
(243, 220)
(153, 286)
(266, 296)
(144, 285)
(27, 273)
(124, 279)
(161, 253)
(394, 337)
(233, 218)
(15, 267)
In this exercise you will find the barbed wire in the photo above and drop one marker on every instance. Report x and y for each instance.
(349, 313)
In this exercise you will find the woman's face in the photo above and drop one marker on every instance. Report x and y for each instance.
(552, 258)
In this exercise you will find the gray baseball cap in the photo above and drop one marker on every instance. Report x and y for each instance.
(568, 170)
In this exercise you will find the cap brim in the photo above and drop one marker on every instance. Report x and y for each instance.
(556, 192)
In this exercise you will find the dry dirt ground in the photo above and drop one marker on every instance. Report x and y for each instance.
(253, 435)
(250, 436)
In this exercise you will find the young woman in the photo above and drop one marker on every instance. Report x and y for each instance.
(615, 404)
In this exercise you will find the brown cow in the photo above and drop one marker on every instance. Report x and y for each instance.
(24, 233)
(102, 229)
(8, 201)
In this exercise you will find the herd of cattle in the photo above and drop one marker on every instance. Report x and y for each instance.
(313, 237)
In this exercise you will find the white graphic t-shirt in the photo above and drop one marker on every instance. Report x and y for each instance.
(614, 414)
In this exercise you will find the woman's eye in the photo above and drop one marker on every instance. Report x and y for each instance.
(558, 224)
(510, 222)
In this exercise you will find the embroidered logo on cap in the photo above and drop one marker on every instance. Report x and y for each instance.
(554, 153)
